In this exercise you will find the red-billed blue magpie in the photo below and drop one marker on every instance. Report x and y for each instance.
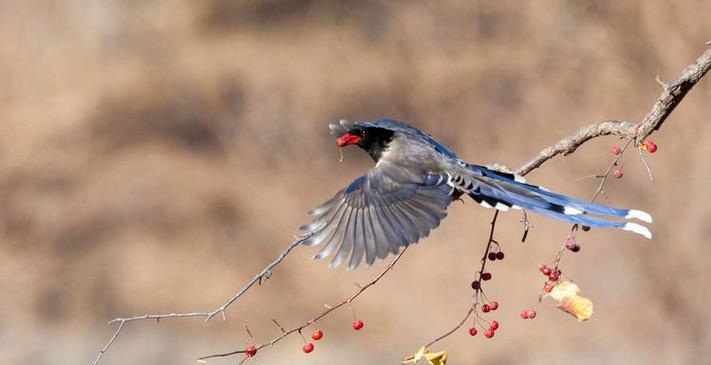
(407, 192)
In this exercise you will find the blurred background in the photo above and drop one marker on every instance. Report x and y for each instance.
(154, 155)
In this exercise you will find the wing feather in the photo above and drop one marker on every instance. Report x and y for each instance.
(377, 214)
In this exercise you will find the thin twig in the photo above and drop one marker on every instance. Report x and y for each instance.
(111, 342)
(477, 291)
(526, 225)
(606, 174)
(305, 324)
(266, 272)
(646, 164)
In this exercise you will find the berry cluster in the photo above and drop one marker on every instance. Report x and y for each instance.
(493, 256)
(492, 326)
(486, 276)
(316, 335)
(648, 146)
(552, 274)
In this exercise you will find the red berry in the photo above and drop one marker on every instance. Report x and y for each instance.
(317, 335)
(547, 288)
(617, 173)
(546, 271)
(308, 347)
(485, 308)
(486, 276)
(572, 246)
(541, 267)
(494, 305)
(489, 333)
(616, 150)
(473, 331)
(650, 146)
(357, 325)
(500, 255)
(250, 350)
(585, 228)
(494, 325)
(553, 276)
(524, 314)
(531, 314)
(476, 285)
(492, 256)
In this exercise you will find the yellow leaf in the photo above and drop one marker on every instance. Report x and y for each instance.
(433, 358)
(564, 289)
(580, 307)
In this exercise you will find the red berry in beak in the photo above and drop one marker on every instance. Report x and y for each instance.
(347, 139)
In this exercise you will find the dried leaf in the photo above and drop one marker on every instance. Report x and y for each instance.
(564, 289)
(580, 307)
(433, 358)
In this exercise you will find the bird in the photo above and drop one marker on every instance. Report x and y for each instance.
(406, 195)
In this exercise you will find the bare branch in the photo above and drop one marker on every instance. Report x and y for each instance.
(672, 94)
(108, 345)
(329, 309)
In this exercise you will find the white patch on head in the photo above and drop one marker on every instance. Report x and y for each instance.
(519, 178)
(639, 229)
(643, 216)
(501, 207)
(571, 211)
(485, 204)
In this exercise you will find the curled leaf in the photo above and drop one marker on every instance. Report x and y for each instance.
(580, 307)
(433, 358)
(564, 289)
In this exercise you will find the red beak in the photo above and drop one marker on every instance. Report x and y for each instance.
(347, 139)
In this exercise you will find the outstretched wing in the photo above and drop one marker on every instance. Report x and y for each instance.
(377, 214)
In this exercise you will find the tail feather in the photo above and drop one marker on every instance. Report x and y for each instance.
(503, 191)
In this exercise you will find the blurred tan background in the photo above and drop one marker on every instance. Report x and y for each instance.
(155, 154)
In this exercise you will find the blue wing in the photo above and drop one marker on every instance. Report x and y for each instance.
(377, 214)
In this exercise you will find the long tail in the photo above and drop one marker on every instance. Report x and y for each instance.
(493, 189)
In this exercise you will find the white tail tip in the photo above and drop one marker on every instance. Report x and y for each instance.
(643, 216)
(638, 228)
(571, 211)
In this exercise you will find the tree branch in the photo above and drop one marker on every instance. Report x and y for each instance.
(329, 309)
(672, 94)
